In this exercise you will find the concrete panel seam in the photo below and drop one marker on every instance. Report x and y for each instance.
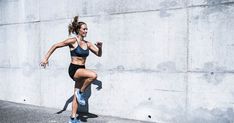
(212, 72)
(17, 67)
(40, 54)
(20, 23)
(168, 90)
(187, 60)
(143, 71)
(208, 5)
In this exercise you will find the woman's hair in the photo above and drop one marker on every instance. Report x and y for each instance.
(75, 26)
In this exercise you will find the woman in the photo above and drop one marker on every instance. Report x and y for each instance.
(79, 49)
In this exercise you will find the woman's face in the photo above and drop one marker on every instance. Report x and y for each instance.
(83, 30)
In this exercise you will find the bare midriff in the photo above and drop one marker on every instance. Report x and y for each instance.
(78, 60)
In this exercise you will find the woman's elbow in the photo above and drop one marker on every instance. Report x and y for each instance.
(99, 54)
(58, 45)
(55, 46)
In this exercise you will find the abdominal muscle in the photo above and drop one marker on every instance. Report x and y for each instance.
(78, 60)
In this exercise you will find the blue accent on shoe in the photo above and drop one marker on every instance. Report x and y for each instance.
(80, 97)
(73, 121)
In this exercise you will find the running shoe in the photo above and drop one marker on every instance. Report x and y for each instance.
(74, 120)
(80, 97)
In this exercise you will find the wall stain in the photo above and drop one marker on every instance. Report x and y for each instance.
(214, 78)
(211, 75)
(203, 115)
(213, 8)
(120, 68)
(145, 110)
(164, 13)
(167, 66)
(168, 3)
(165, 5)
(210, 66)
(5, 63)
(214, 2)
(84, 7)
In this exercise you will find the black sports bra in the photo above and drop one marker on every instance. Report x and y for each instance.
(80, 52)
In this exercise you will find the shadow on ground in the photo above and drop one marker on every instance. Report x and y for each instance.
(83, 116)
(83, 111)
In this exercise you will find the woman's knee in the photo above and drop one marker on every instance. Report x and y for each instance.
(93, 76)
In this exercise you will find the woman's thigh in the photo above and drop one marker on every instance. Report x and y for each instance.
(81, 74)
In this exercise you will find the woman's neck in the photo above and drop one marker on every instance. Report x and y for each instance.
(80, 37)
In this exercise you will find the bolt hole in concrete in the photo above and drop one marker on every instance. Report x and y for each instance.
(211, 73)
(149, 116)
(24, 100)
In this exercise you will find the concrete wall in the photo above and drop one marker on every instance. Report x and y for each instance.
(163, 61)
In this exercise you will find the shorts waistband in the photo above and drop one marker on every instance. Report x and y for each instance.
(77, 65)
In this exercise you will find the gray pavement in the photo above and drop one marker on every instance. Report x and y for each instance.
(11, 112)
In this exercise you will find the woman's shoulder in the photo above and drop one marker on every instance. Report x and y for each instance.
(72, 39)
(88, 42)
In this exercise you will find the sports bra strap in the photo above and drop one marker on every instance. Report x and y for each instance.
(76, 38)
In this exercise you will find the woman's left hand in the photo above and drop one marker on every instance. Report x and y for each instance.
(98, 44)
(44, 62)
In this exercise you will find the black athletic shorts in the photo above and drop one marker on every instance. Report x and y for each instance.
(72, 69)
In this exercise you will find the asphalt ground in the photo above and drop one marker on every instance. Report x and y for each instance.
(11, 112)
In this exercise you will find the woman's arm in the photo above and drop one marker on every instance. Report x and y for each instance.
(96, 49)
(53, 48)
